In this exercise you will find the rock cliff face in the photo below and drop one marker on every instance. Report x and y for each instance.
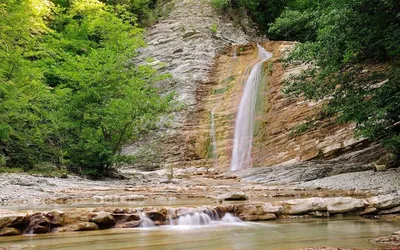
(194, 44)
(186, 42)
(284, 132)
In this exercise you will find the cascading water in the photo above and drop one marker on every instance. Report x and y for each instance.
(145, 221)
(214, 138)
(205, 218)
(199, 217)
(234, 51)
(244, 127)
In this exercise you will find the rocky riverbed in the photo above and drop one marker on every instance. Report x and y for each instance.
(29, 192)
(83, 219)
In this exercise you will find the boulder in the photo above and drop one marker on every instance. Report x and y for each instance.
(11, 219)
(344, 204)
(303, 206)
(80, 226)
(39, 223)
(104, 220)
(233, 196)
(129, 224)
(248, 217)
(269, 208)
(385, 201)
(121, 218)
(156, 215)
(9, 231)
(266, 217)
(248, 209)
(394, 210)
(78, 215)
(56, 217)
(368, 210)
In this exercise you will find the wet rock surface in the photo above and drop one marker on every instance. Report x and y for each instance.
(392, 241)
(103, 218)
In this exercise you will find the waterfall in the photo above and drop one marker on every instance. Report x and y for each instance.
(229, 218)
(205, 218)
(243, 140)
(145, 221)
(234, 51)
(198, 218)
(214, 138)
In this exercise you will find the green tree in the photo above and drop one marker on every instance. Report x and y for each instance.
(26, 134)
(71, 93)
(352, 52)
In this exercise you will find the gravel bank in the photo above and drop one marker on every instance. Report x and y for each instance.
(382, 182)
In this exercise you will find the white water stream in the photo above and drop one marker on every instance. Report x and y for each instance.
(214, 138)
(244, 127)
(199, 218)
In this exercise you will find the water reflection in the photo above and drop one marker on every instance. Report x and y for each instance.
(272, 235)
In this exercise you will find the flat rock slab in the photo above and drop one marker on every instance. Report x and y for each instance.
(344, 204)
(233, 196)
(303, 206)
(385, 201)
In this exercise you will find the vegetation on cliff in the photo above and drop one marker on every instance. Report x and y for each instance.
(70, 92)
(351, 50)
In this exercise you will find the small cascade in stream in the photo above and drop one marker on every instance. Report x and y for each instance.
(244, 127)
(199, 217)
(171, 211)
(214, 138)
(146, 222)
(205, 218)
(229, 218)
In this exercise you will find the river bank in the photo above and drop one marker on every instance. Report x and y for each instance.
(22, 191)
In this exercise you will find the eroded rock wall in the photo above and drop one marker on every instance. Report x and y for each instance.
(194, 44)
(279, 137)
(186, 43)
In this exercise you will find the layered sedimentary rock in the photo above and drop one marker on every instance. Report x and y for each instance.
(284, 133)
(185, 45)
(209, 59)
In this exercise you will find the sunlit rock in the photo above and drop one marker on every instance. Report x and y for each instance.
(385, 201)
(9, 231)
(81, 226)
(303, 206)
(104, 220)
(269, 208)
(11, 219)
(344, 204)
(233, 196)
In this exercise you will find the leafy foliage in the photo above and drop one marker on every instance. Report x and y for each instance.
(70, 91)
(351, 53)
(263, 12)
(220, 5)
